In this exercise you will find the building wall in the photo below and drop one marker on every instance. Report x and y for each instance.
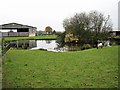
(115, 33)
(14, 34)
(32, 31)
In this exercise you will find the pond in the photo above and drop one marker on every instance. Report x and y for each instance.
(47, 45)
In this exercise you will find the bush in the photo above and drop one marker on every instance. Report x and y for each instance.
(86, 46)
(60, 38)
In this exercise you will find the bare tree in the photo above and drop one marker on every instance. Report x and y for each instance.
(100, 23)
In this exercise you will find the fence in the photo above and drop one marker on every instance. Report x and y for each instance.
(5, 49)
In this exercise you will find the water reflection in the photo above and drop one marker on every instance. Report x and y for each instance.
(48, 41)
(22, 44)
(26, 44)
(49, 45)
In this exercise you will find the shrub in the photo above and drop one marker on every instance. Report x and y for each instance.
(86, 46)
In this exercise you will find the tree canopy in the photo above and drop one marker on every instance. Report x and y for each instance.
(88, 27)
(48, 29)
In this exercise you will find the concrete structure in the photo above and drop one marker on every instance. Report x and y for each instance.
(22, 30)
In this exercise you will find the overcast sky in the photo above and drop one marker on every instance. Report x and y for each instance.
(42, 13)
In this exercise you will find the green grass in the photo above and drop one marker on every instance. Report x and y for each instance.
(31, 38)
(41, 69)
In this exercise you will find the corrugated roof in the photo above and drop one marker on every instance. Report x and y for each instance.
(15, 25)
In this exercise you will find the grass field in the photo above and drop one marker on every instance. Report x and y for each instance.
(41, 69)
(31, 38)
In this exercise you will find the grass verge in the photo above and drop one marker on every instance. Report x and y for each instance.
(42, 69)
(45, 37)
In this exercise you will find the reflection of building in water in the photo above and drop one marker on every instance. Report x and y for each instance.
(107, 43)
(32, 43)
(26, 44)
(48, 41)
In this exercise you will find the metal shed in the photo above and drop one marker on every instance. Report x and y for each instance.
(22, 30)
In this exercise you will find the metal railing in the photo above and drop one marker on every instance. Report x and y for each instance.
(5, 49)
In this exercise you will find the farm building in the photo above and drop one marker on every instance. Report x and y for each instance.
(21, 30)
(115, 33)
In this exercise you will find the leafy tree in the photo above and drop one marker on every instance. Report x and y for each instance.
(88, 27)
(48, 30)
(70, 38)
(60, 38)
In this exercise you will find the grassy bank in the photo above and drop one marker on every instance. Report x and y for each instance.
(41, 69)
(45, 37)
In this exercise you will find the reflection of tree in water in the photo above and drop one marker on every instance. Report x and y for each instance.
(72, 47)
(48, 41)
(68, 47)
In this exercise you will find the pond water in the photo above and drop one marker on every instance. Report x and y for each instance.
(48, 45)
